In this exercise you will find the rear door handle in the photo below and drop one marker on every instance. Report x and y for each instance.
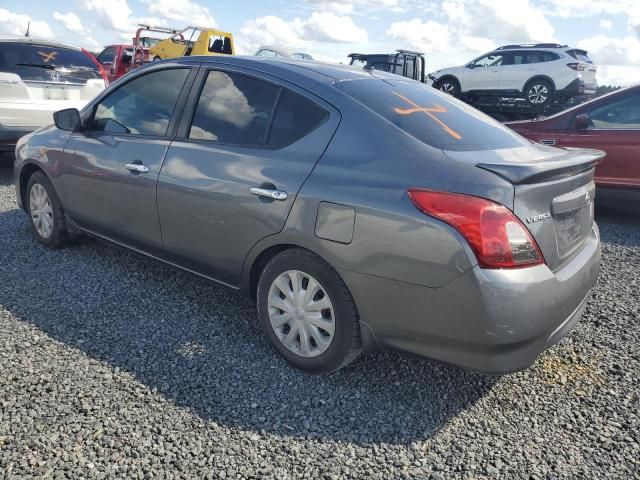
(136, 167)
(269, 193)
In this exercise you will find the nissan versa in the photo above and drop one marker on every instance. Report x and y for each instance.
(360, 209)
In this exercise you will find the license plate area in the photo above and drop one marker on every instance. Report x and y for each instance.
(572, 228)
(56, 93)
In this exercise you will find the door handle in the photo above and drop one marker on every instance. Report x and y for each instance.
(136, 167)
(269, 193)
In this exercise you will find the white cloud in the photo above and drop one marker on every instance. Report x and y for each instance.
(70, 21)
(111, 14)
(345, 7)
(322, 27)
(522, 21)
(618, 75)
(16, 24)
(185, 11)
(606, 50)
(329, 27)
(606, 24)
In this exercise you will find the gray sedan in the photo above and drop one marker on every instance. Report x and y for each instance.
(359, 209)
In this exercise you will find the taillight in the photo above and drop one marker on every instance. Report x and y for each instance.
(101, 69)
(496, 236)
(580, 67)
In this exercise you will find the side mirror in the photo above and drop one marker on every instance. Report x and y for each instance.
(582, 121)
(471, 66)
(67, 119)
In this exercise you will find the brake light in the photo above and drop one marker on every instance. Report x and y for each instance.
(101, 69)
(496, 236)
(580, 67)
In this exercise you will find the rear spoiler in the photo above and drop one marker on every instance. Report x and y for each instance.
(576, 160)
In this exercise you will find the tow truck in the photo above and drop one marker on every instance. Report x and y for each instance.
(200, 41)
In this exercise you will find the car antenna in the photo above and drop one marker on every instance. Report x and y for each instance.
(28, 27)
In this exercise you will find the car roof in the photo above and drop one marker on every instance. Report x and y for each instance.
(36, 41)
(332, 72)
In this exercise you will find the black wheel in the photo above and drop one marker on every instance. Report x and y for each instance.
(156, 58)
(307, 312)
(45, 212)
(449, 85)
(539, 93)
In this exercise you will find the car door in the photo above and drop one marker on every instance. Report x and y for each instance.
(517, 68)
(614, 126)
(111, 167)
(483, 73)
(245, 145)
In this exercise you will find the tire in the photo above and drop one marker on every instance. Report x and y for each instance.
(156, 58)
(539, 93)
(449, 85)
(334, 349)
(45, 212)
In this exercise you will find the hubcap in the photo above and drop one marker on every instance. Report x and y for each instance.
(449, 88)
(41, 210)
(301, 313)
(538, 94)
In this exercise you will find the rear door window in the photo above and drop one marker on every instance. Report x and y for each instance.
(233, 109)
(430, 116)
(143, 106)
(44, 63)
(295, 117)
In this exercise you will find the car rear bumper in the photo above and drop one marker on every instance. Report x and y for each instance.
(494, 321)
(578, 88)
(9, 136)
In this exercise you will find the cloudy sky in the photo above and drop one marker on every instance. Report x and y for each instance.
(450, 32)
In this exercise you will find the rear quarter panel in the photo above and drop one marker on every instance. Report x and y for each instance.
(370, 170)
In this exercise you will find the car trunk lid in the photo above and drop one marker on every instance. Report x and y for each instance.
(553, 193)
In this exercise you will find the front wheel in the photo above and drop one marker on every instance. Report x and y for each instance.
(307, 312)
(45, 211)
(449, 85)
(539, 93)
(156, 58)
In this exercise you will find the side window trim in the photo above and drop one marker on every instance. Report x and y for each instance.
(176, 113)
(191, 104)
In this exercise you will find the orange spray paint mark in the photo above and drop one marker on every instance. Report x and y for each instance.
(47, 57)
(427, 111)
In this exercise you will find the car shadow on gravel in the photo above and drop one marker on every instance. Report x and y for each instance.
(200, 346)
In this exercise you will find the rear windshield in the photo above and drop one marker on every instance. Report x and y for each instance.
(430, 116)
(580, 55)
(39, 63)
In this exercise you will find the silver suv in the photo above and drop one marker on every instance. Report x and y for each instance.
(539, 72)
(39, 77)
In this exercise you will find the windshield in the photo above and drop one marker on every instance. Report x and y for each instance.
(430, 116)
(40, 63)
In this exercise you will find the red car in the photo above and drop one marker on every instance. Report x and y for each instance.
(610, 123)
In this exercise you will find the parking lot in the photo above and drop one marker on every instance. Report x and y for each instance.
(114, 365)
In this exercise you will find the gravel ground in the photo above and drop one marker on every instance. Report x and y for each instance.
(114, 366)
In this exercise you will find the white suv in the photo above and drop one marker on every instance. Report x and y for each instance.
(39, 77)
(539, 72)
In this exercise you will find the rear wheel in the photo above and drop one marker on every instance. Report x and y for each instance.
(156, 58)
(45, 212)
(308, 313)
(449, 85)
(539, 93)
